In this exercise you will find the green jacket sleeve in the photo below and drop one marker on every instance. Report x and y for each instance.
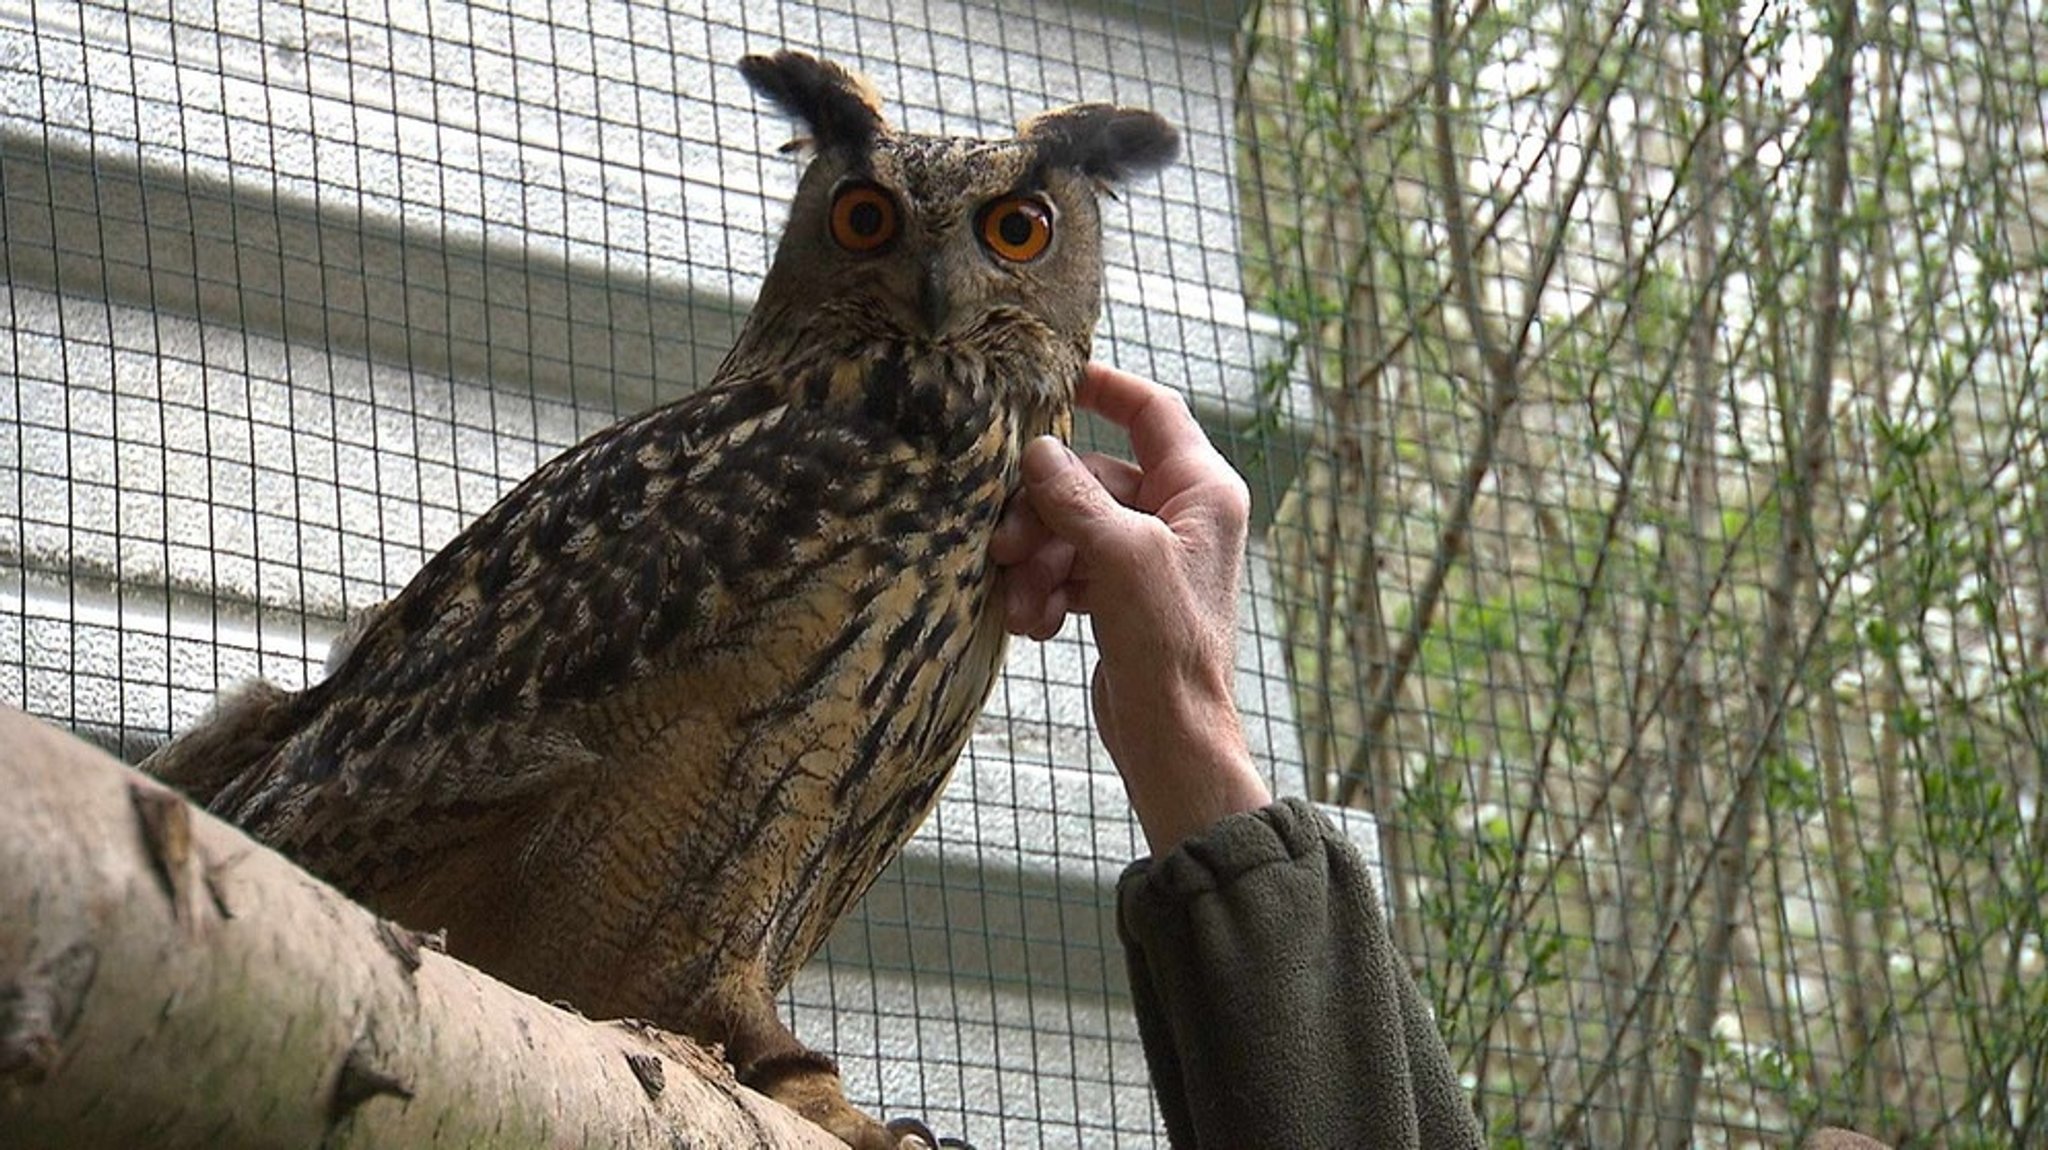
(1271, 1002)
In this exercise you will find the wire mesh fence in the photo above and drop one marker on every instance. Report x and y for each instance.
(1667, 574)
(1643, 404)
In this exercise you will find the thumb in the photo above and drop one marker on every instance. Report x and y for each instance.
(1068, 498)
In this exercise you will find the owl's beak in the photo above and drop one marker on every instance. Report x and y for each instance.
(934, 301)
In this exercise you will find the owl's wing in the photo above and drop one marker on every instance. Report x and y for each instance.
(651, 550)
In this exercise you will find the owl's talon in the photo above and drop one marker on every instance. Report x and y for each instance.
(904, 1128)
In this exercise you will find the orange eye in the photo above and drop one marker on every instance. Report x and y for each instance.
(1017, 228)
(863, 218)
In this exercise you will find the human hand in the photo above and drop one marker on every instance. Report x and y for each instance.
(1153, 553)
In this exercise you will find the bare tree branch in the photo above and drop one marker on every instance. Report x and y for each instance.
(166, 981)
(1503, 390)
(1728, 863)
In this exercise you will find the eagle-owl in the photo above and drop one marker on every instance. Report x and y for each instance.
(639, 735)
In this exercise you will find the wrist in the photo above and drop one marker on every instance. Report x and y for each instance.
(1188, 766)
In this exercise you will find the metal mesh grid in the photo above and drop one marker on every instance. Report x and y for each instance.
(1642, 404)
(294, 293)
(1667, 571)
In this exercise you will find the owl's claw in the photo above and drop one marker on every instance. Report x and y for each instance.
(915, 1128)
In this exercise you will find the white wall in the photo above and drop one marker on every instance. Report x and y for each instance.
(288, 296)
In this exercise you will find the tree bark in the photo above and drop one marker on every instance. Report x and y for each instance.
(166, 981)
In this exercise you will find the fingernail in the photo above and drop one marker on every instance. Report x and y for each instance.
(1043, 462)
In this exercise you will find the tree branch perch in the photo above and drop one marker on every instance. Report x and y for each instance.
(167, 981)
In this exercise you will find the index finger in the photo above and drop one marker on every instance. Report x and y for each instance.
(1155, 416)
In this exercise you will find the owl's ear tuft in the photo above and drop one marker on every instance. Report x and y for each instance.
(840, 107)
(1103, 141)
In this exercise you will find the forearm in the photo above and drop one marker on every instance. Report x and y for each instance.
(1184, 760)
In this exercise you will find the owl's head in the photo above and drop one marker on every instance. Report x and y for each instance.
(945, 240)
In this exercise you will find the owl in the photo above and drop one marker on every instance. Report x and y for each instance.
(643, 732)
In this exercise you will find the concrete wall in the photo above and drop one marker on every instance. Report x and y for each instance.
(287, 296)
